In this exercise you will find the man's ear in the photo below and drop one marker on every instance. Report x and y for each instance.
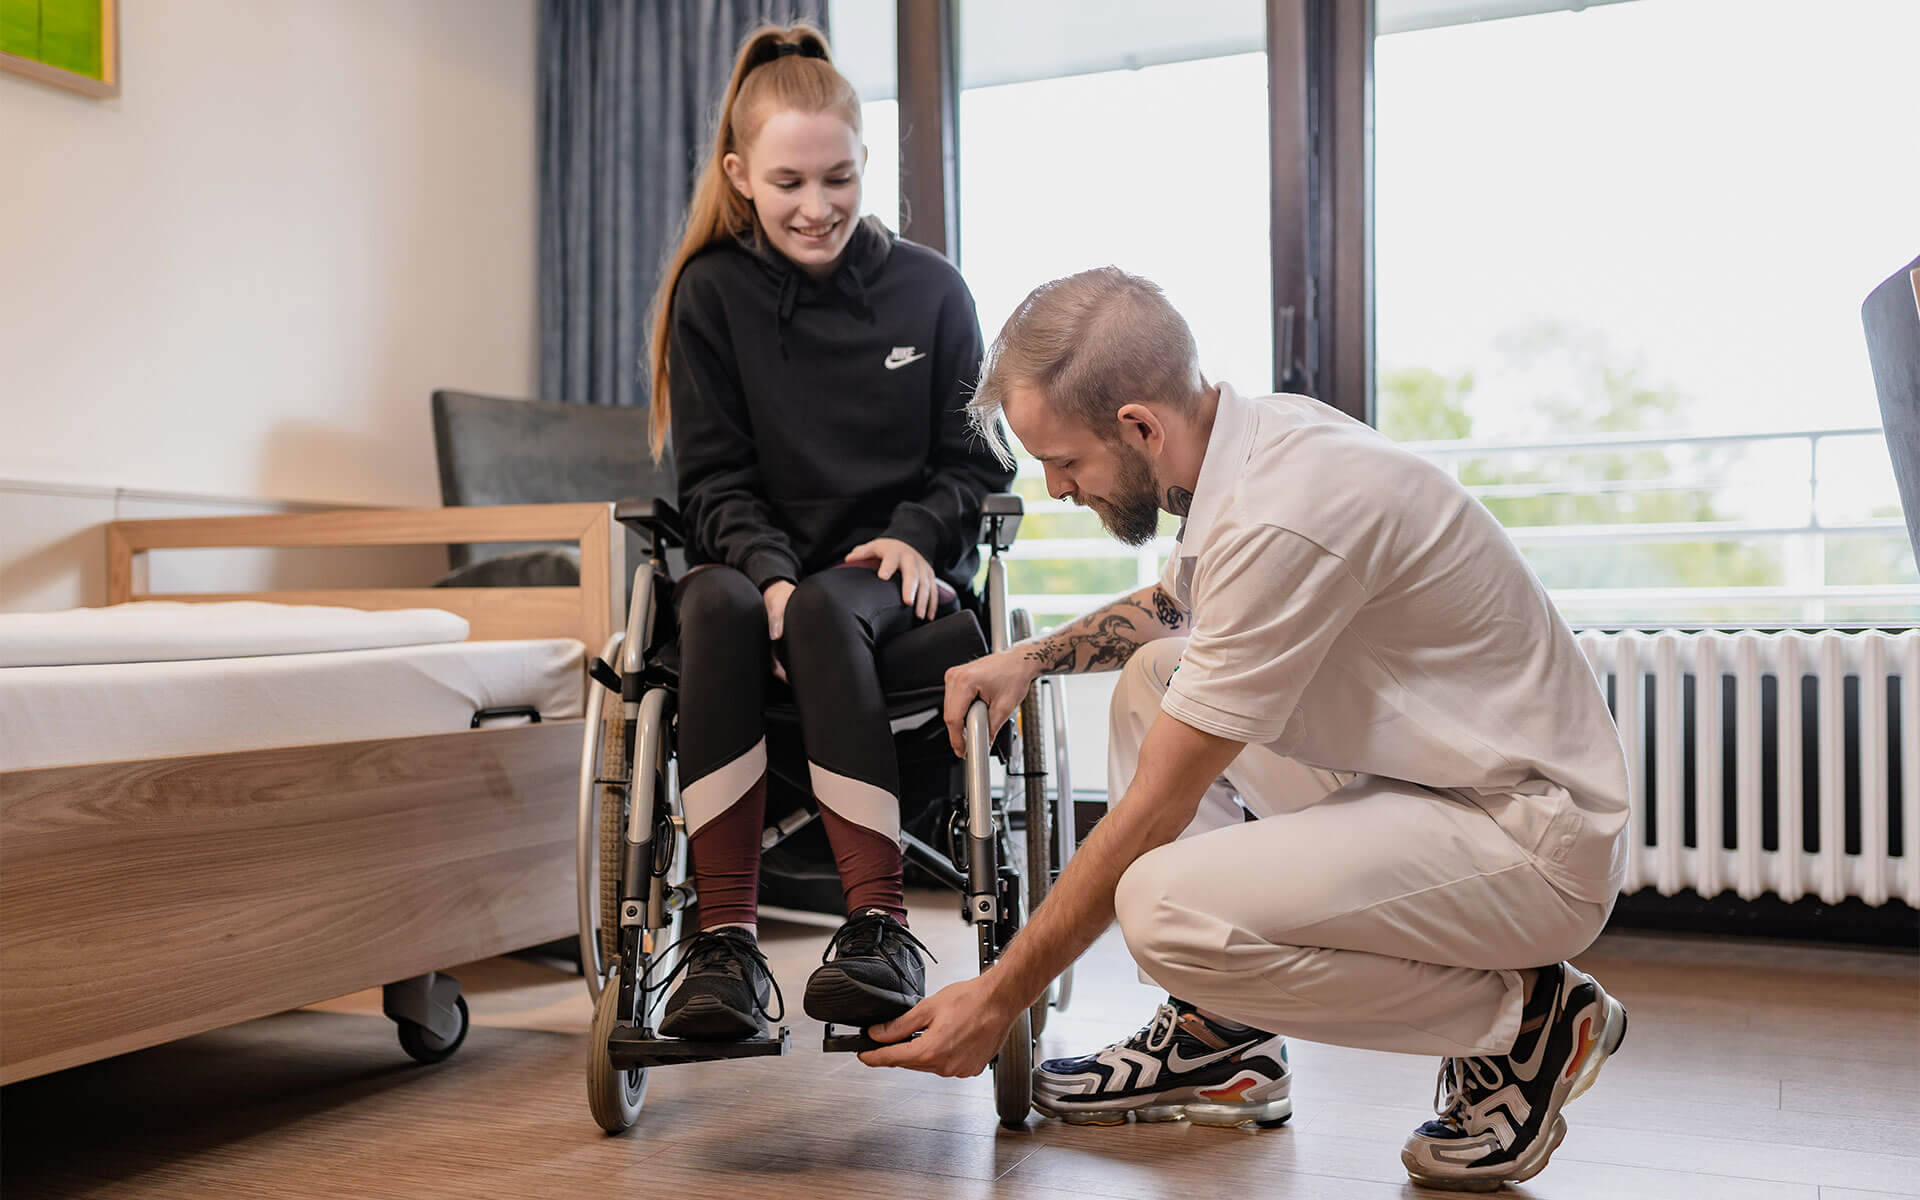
(735, 168)
(1141, 428)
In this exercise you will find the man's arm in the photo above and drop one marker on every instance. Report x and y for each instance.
(1100, 641)
(1103, 640)
(961, 1027)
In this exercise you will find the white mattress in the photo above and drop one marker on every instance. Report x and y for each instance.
(174, 631)
(103, 712)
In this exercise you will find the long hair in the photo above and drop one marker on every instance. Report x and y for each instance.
(766, 79)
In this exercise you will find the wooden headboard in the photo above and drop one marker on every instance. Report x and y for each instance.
(587, 612)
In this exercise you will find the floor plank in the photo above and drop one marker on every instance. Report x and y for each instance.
(321, 1102)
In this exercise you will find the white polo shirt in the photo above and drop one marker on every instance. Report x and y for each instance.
(1356, 610)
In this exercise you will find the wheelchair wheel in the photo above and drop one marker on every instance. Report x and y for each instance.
(1013, 1074)
(1039, 870)
(614, 1095)
(616, 764)
(1065, 827)
(1039, 857)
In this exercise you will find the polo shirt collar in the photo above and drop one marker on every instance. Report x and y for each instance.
(1226, 453)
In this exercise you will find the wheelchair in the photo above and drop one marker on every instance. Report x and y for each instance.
(635, 894)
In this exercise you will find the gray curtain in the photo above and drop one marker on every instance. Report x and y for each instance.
(628, 93)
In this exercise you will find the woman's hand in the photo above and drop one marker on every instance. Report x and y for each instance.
(918, 587)
(775, 598)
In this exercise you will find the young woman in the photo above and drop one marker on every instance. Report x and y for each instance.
(812, 370)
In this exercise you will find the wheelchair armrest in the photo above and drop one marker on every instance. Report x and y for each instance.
(654, 516)
(1000, 520)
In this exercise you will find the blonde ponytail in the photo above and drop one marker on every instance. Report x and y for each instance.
(766, 79)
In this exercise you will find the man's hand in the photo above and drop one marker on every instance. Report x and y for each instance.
(918, 588)
(1000, 679)
(961, 1028)
(775, 598)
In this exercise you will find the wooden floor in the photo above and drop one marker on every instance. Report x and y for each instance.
(1752, 1073)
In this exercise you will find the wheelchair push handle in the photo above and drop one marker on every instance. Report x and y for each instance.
(1000, 520)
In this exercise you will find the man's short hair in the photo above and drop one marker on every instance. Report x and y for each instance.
(1091, 343)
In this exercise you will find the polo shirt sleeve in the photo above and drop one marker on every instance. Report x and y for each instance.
(1267, 605)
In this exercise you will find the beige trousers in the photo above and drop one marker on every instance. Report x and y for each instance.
(1356, 910)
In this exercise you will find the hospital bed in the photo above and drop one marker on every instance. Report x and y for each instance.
(189, 842)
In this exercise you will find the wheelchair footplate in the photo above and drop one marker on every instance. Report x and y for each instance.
(851, 1041)
(631, 1046)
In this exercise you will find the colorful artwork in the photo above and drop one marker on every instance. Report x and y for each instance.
(70, 43)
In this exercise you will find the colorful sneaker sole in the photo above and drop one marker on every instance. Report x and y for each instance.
(1271, 1115)
(1266, 1106)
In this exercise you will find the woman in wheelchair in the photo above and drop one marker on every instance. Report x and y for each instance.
(812, 371)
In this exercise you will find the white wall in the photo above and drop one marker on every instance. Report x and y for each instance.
(244, 276)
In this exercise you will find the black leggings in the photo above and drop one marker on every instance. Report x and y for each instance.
(835, 623)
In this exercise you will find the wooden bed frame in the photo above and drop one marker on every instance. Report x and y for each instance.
(147, 900)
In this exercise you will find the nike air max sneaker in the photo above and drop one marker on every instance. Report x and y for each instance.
(870, 972)
(1180, 1065)
(1499, 1117)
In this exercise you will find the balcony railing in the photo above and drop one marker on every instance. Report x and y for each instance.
(1803, 596)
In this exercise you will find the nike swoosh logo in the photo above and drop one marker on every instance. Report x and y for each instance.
(895, 361)
(1182, 1064)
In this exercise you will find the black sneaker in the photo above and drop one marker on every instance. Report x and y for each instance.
(872, 972)
(1500, 1116)
(724, 996)
(1180, 1066)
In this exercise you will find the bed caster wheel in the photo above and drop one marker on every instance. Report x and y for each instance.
(423, 1045)
(615, 1095)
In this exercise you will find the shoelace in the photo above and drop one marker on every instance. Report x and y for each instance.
(1452, 1091)
(1155, 1034)
(706, 944)
(861, 935)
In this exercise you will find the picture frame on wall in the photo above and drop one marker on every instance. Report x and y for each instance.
(73, 44)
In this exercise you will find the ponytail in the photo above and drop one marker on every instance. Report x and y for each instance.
(778, 69)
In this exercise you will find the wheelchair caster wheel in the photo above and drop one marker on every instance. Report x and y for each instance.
(614, 1094)
(1013, 1074)
(423, 1045)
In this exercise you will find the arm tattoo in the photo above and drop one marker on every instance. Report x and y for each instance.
(1167, 609)
(1108, 637)
(1179, 501)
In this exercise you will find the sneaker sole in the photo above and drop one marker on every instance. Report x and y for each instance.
(1613, 1031)
(839, 999)
(1269, 1113)
(706, 1019)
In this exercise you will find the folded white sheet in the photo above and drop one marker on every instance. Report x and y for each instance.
(176, 631)
(103, 712)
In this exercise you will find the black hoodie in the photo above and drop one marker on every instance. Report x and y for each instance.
(811, 416)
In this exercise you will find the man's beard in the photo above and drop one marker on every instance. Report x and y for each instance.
(1132, 513)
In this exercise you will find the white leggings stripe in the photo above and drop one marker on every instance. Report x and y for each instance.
(715, 792)
(861, 803)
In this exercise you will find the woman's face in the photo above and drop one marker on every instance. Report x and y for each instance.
(802, 174)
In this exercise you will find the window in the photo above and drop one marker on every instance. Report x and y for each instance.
(862, 34)
(1619, 237)
(1137, 138)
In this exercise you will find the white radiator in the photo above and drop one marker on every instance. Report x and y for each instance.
(1805, 773)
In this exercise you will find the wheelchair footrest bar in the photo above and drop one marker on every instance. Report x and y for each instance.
(839, 1041)
(635, 1047)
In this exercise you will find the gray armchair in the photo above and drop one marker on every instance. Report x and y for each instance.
(1892, 318)
(494, 450)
